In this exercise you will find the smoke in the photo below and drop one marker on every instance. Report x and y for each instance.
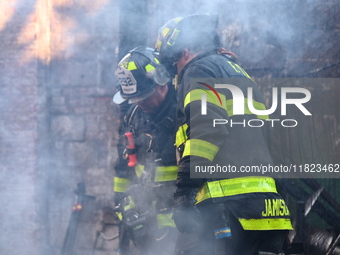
(56, 82)
(57, 124)
(264, 34)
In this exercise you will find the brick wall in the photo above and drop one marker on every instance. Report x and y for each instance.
(57, 124)
(57, 121)
(83, 119)
(18, 131)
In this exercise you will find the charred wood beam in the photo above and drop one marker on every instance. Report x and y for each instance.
(301, 195)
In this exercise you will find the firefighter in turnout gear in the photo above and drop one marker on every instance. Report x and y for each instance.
(146, 169)
(231, 215)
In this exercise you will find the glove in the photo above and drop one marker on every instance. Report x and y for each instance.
(186, 216)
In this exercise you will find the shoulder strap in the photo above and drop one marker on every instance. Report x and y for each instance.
(131, 114)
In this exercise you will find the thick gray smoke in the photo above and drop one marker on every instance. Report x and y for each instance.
(264, 34)
(58, 126)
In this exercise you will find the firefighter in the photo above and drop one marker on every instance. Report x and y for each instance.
(238, 215)
(146, 169)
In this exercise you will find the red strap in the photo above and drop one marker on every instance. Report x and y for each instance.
(229, 53)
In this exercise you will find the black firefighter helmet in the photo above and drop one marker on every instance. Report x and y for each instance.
(196, 31)
(137, 75)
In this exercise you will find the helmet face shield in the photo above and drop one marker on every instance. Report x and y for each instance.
(136, 75)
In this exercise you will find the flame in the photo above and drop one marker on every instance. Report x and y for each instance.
(6, 12)
(50, 33)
